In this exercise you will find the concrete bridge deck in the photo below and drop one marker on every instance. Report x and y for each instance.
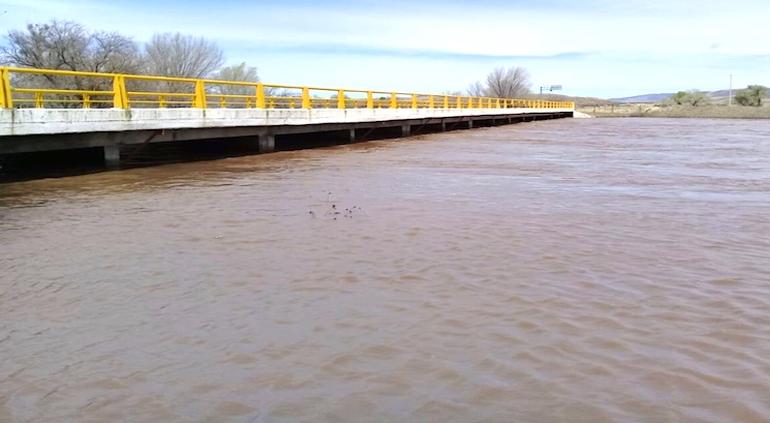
(121, 110)
(38, 130)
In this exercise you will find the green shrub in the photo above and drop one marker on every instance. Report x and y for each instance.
(693, 98)
(751, 96)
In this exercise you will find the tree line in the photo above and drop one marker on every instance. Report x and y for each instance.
(66, 45)
(751, 96)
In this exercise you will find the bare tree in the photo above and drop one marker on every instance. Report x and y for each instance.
(182, 56)
(476, 89)
(241, 73)
(508, 83)
(66, 45)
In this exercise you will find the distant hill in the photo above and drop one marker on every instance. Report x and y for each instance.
(644, 98)
(723, 93)
(579, 101)
(719, 96)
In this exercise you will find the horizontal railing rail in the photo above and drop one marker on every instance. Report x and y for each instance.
(50, 88)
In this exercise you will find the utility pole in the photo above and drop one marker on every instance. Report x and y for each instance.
(730, 94)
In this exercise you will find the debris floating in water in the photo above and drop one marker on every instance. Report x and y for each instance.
(334, 212)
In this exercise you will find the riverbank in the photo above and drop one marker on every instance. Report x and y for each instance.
(666, 111)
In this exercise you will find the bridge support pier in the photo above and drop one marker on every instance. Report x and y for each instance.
(112, 156)
(406, 130)
(443, 126)
(470, 124)
(266, 143)
(352, 136)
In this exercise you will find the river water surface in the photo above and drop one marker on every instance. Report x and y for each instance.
(559, 271)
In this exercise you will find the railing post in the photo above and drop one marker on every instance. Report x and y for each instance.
(470, 102)
(260, 96)
(446, 101)
(459, 102)
(6, 96)
(120, 95)
(414, 101)
(341, 99)
(489, 103)
(369, 100)
(431, 103)
(497, 105)
(393, 101)
(199, 101)
(306, 98)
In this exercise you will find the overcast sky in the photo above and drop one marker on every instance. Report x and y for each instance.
(593, 47)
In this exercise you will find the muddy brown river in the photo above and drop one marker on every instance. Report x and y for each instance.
(560, 271)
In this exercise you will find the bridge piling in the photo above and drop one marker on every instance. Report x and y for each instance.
(266, 143)
(112, 156)
(406, 130)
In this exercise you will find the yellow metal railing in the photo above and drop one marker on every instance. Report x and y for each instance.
(30, 88)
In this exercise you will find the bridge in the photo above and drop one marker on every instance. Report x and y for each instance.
(49, 110)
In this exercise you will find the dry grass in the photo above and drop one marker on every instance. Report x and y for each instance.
(657, 110)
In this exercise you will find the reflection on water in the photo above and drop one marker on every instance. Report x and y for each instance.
(573, 270)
